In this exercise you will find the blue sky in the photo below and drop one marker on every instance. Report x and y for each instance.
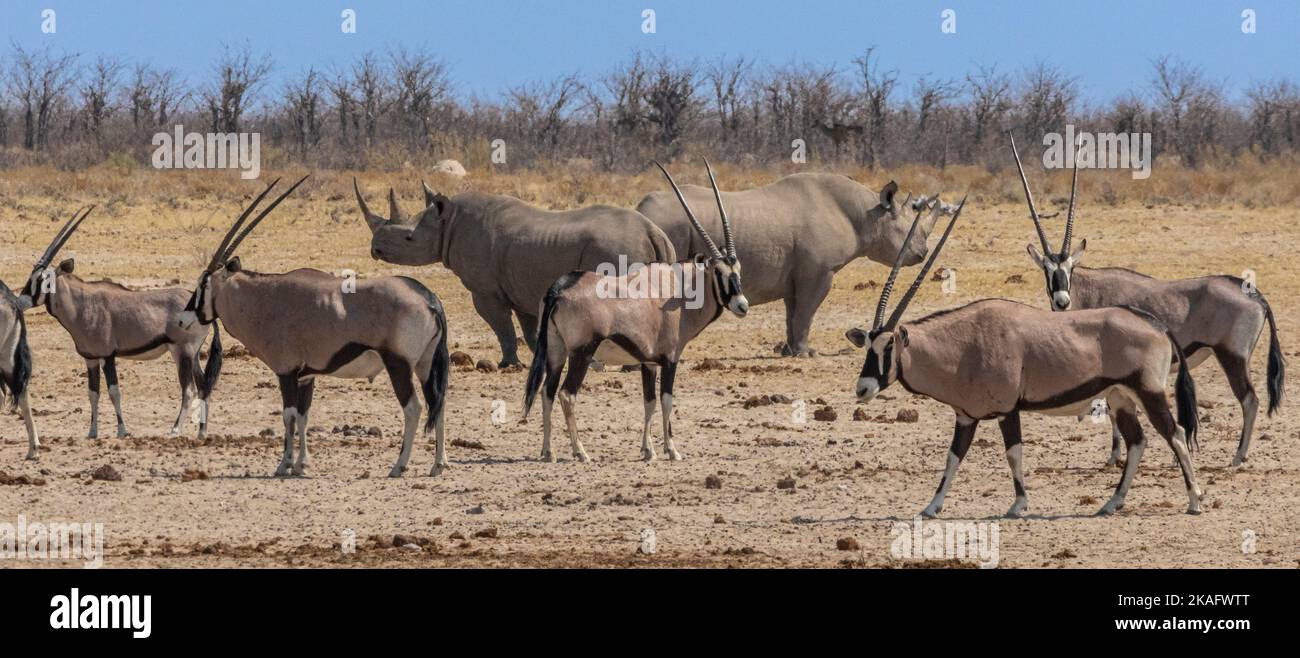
(492, 44)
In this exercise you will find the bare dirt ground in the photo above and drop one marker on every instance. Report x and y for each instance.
(784, 493)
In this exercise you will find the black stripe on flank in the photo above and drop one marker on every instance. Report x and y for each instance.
(350, 352)
(148, 347)
(1085, 391)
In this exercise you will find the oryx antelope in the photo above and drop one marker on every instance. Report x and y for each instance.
(1219, 315)
(303, 324)
(507, 252)
(795, 234)
(16, 363)
(15, 353)
(108, 321)
(583, 318)
(993, 359)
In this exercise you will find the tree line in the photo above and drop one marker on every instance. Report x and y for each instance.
(400, 106)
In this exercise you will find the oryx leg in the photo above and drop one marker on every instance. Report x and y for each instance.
(399, 371)
(528, 325)
(1162, 419)
(115, 394)
(799, 310)
(648, 394)
(289, 398)
(185, 371)
(556, 356)
(962, 434)
(92, 383)
(201, 393)
(497, 314)
(1115, 437)
(666, 400)
(25, 409)
(1237, 369)
(1010, 426)
(306, 389)
(578, 364)
(1135, 443)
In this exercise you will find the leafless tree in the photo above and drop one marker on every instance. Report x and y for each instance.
(1045, 99)
(97, 91)
(1274, 110)
(627, 86)
(670, 95)
(1191, 105)
(39, 82)
(539, 109)
(239, 76)
(421, 83)
(990, 100)
(876, 88)
(727, 77)
(302, 103)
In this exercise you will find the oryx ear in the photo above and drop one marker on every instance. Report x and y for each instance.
(429, 194)
(1033, 253)
(856, 336)
(887, 195)
(900, 337)
(68, 265)
(233, 265)
(1078, 253)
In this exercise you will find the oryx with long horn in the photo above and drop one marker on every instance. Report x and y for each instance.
(643, 318)
(993, 359)
(15, 353)
(1219, 315)
(108, 321)
(308, 323)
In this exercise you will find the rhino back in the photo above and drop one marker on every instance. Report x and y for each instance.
(799, 222)
(517, 251)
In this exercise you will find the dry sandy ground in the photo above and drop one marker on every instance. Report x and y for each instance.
(497, 505)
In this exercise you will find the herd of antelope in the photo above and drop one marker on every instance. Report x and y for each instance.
(1110, 334)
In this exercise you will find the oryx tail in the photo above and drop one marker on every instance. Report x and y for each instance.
(1184, 387)
(212, 369)
(1276, 364)
(435, 384)
(17, 382)
(538, 367)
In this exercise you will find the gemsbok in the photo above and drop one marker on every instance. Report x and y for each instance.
(15, 353)
(1219, 315)
(993, 359)
(108, 321)
(308, 323)
(644, 318)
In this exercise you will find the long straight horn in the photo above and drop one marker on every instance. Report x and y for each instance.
(879, 318)
(1029, 196)
(728, 238)
(218, 253)
(59, 238)
(372, 220)
(920, 277)
(1069, 217)
(262, 215)
(708, 241)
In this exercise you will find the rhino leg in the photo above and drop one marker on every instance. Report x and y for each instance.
(809, 292)
(496, 312)
(528, 324)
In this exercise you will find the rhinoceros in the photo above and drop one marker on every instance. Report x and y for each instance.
(794, 234)
(507, 253)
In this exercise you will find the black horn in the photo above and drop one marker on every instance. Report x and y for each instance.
(877, 321)
(920, 277)
(262, 215)
(690, 215)
(218, 255)
(728, 238)
(1029, 196)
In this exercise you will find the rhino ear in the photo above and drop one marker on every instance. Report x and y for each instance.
(887, 195)
(441, 204)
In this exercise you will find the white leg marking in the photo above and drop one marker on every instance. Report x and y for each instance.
(286, 461)
(33, 442)
(567, 403)
(1116, 502)
(411, 418)
(440, 451)
(669, 449)
(304, 460)
(1019, 507)
(647, 449)
(547, 402)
